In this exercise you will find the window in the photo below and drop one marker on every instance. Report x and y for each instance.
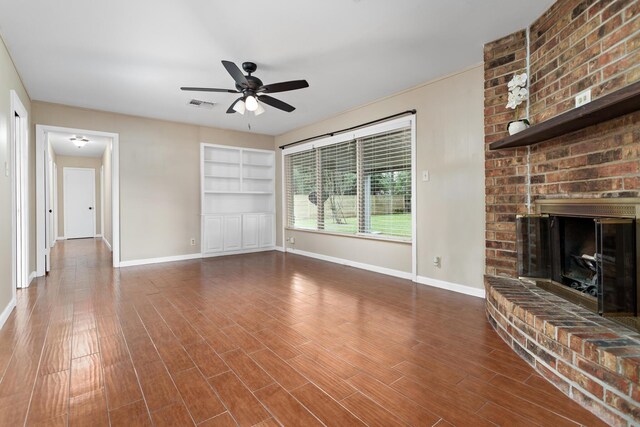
(360, 186)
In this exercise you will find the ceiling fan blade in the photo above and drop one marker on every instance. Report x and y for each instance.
(235, 73)
(208, 89)
(276, 103)
(230, 110)
(284, 86)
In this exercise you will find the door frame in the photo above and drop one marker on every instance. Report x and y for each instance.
(42, 141)
(64, 200)
(19, 149)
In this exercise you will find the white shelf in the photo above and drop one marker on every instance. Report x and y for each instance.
(236, 192)
(221, 162)
(256, 165)
(222, 176)
(257, 178)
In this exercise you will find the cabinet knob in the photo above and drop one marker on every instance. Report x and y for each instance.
(90, 208)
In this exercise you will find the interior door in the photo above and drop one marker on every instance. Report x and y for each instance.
(48, 223)
(79, 203)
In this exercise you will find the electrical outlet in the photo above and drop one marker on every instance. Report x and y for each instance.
(292, 240)
(437, 261)
(193, 241)
(583, 97)
(425, 175)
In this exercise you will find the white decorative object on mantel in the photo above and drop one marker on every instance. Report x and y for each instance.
(517, 126)
(518, 93)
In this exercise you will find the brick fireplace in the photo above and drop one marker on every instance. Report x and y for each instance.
(573, 46)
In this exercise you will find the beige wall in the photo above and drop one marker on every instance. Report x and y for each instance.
(77, 162)
(450, 207)
(107, 208)
(9, 80)
(159, 175)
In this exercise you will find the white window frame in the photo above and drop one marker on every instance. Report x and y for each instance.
(387, 126)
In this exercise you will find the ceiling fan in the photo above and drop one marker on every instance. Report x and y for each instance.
(253, 90)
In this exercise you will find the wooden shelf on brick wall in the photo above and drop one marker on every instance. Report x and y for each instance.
(615, 104)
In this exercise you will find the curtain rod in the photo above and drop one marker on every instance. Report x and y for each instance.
(282, 147)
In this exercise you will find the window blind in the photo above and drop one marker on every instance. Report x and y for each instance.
(385, 206)
(358, 187)
(301, 189)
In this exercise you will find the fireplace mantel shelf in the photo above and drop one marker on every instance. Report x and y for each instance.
(615, 104)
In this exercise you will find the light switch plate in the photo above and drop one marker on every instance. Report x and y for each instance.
(425, 175)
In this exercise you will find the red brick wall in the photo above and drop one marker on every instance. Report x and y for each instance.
(575, 45)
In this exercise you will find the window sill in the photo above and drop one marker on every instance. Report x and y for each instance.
(353, 236)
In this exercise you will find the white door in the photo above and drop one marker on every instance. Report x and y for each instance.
(19, 158)
(267, 228)
(250, 231)
(212, 241)
(48, 212)
(79, 202)
(232, 232)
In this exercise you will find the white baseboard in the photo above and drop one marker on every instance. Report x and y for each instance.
(7, 311)
(146, 261)
(61, 238)
(462, 289)
(97, 236)
(106, 242)
(32, 276)
(279, 248)
(361, 265)
(240, 252)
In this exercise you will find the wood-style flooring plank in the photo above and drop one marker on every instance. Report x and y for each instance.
(238, 399)
(247, 370)
(285, 408)
(198, 396)
(326, 409)
(132, 415)
(278, 369)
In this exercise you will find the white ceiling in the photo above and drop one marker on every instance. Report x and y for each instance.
(63, 146)
(132, 56)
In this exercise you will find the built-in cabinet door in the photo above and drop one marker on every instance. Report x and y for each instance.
(232, 232)
(267, 231)
(213, 237)
(250, 231)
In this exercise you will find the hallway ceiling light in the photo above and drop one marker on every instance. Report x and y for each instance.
(79, 141)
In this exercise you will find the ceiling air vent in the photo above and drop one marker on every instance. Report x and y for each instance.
(201, 104)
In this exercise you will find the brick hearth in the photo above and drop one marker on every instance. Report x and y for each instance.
(588, 357)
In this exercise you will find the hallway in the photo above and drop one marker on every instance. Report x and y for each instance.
(254, 339)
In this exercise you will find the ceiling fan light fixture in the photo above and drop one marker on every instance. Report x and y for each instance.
(259, 110)
(251, 102)
(79, 141)
(239, 107)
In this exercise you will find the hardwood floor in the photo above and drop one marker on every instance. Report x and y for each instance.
(262, 339)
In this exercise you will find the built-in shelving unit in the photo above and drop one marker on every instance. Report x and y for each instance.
(238, 200)
(608, 107)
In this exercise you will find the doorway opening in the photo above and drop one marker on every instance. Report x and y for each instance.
(77, 189)
(19, 160)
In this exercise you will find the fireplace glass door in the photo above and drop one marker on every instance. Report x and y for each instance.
(616, 267)
(589, 261)
(533, 246)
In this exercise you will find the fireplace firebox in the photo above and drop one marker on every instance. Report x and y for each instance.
(586, 251)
